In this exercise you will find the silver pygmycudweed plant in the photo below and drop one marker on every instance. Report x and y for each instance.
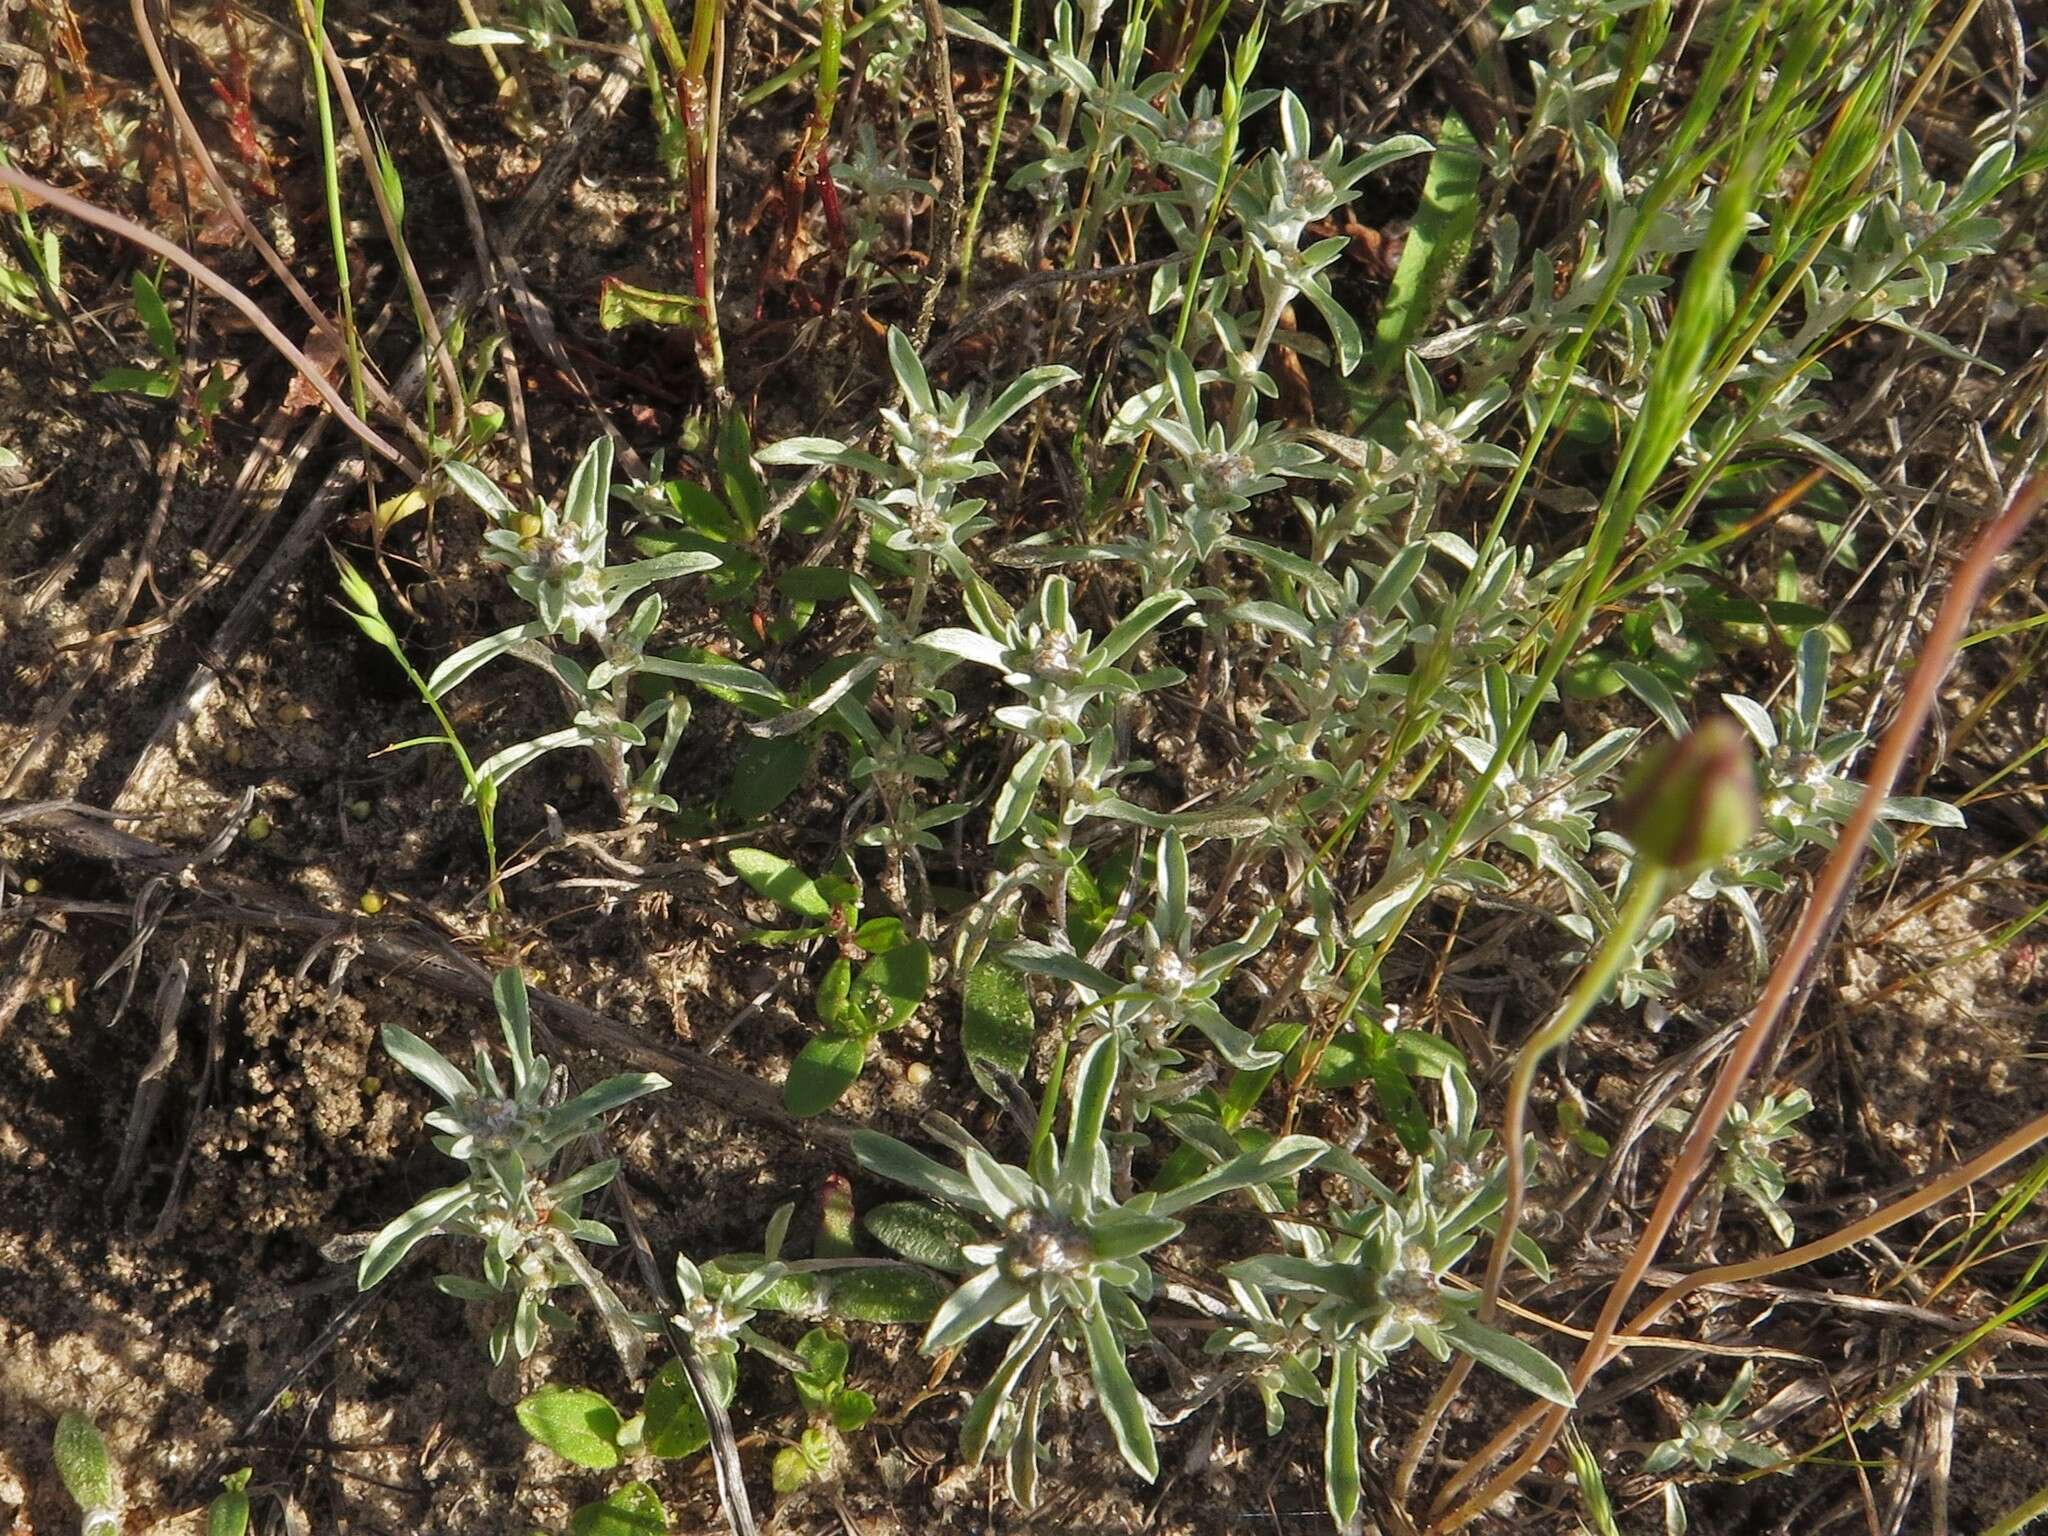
(1366, 1280)
(510, 1130)
(555, 561)
(1347, 610)
(1170, 986)
(1712, 1435)
(1747, 1164)
(937, 440)
(1065, 1266)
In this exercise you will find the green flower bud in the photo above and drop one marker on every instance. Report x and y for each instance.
(1693, 801)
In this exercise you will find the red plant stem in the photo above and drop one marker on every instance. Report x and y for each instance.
(828, 198)
(1823, 910)
(693, 153)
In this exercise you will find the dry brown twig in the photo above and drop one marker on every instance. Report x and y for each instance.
(213, 896)
(114, 224)
(195, 143)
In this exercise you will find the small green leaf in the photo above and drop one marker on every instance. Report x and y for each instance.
(480, 489)
(404, 1233)
(789, 1471)
(924, 1234)
(851, 1410)
(635, 1510)
(1281, 1158)
(465, 1288)
(157, 384)
(834, 993)
(156, 319)
(765, 773)
(899, 977)
(508, 992)
(826, 1353)
(575, 1116)
(1118, 1395)
(487, 37)
(394, 184)
(977, 1301)
(1398, 1101)
(780, 881)
(1523, 1364)
(822, 1072)
(427, 1064)
(744, 491)
(836, 1218)
(884, 1294)
(621, 303)
(1340, 1439)
(575, 1423)
(228, 1514)
(891, 1159)
(996, 1022)
(1436, 246)
(675, 1424)
(1923, 809)
(81, 1457)
(880, 934)
(1245, 1087)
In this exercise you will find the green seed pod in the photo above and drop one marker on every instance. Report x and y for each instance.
(1693, 801)
(258, 828)
(359, 810)
(371, 903)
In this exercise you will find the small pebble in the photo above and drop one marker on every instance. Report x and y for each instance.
(258, 829)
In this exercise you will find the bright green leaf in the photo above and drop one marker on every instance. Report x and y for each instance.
(575, 1423)
(822, 1072)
